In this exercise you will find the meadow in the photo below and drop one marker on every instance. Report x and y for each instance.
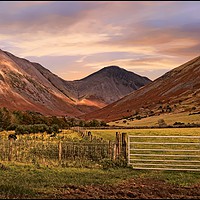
(24, 181)
(109, 134)
(74, 179)
(169, 118)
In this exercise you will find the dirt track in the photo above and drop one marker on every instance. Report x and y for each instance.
(131, 189)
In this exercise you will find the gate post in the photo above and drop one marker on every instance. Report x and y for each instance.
(10, 149)
(59, 151)
(124, 145)
(117, 144)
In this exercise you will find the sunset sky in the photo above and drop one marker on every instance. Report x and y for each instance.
(76, 38)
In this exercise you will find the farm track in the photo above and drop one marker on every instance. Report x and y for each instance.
(142, 188)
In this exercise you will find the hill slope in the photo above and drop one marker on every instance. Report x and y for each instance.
(22, 87)
(176, 91)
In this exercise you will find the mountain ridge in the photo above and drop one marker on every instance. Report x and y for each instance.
(178, 89)
(107, 79)
(35, 87)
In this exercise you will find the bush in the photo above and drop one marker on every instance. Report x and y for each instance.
(118, 163)
(11, 127)
(138, 117)
(55, 128)
(179, 123)
(161, 123)
(107, 163)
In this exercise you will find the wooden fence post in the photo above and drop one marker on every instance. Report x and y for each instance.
(59, 151)
(91, 138)
(117, 144)
(109, 149)
(10, 149)
(114, 152)
(124, 145)
(116, 147)
(120, 144)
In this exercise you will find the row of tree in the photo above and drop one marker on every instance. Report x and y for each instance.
(36, 128)
(10, 120)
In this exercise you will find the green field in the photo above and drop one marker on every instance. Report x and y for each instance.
(110, 134)
(170, 119)
(26, 180)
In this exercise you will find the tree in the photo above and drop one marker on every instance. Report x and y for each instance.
(161, 123)
(94, 123)
(55, 120)
(168, 109)
(55, 128)
(5, 118)
(102, 123)
(81, 123)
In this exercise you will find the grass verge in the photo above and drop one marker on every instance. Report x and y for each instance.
(28, 181)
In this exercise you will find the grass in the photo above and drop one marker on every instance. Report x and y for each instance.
(170, 119)
(28, 181)
(110, 134)
(75, 151)
(22, 181)
(67, 134)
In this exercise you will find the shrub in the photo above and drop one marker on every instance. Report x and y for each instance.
(161, 123)
(11, 127)
(179, 123)
(55, 128)
(138, 117)
(107, 163)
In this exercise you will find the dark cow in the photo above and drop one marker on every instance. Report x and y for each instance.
(12, 136)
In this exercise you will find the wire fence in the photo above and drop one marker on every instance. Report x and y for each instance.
(41, 150)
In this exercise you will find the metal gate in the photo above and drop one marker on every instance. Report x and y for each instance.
(164, 152)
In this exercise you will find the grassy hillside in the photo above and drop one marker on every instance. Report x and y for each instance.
(169, 119)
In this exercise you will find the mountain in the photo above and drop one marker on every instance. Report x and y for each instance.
(26, 85)
(108, 85)
(176, 91)
(98, 89)
(22, 87)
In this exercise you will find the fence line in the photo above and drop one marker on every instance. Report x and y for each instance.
(58, 151)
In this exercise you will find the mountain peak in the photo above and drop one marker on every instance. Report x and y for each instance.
(110, 83)
(111, 67)
(178, 89)
(116, 72)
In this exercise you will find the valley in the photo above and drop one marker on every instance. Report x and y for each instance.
(99, 100)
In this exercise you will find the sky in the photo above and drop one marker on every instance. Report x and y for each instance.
(76, 38)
